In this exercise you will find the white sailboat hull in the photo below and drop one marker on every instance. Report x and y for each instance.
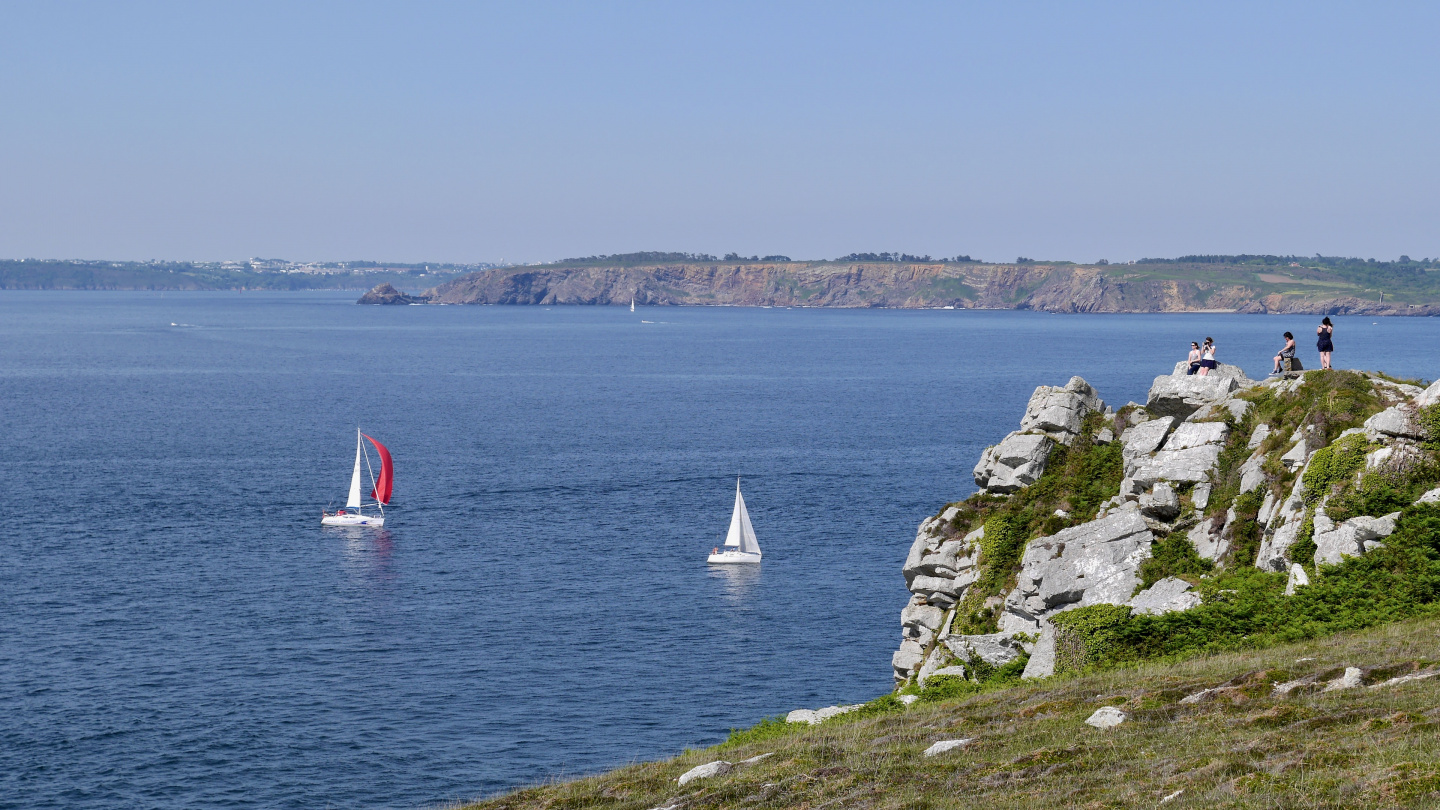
(729, 556)
(349, 519)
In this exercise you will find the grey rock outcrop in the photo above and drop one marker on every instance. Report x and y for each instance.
(1092, 563)
(1016, 462)
(1433, 496)
(1397, 421)
(1429, 396)
(1054, 415)
(1059, 411)
(1166, 596)
(994, 649)
(1160, 503)
(1352, 538)
(1258, 436)
(1182, 396)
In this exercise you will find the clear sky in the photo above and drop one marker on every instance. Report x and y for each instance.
(532, 131)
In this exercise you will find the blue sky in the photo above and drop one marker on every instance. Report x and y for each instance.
(533, 131)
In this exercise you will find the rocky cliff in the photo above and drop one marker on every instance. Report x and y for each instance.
(1047, 287)
(1136, 512)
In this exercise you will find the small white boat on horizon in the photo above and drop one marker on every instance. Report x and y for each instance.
(380, 489)
(740, 543)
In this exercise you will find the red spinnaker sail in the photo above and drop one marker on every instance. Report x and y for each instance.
(386, 482)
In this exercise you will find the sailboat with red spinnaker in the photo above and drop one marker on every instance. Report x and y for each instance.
(353, 513)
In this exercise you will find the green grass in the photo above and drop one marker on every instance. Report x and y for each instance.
(1359, 748)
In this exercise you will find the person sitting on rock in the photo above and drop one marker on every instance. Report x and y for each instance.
(1194, 358)
(1207, 357)
(1286, 355)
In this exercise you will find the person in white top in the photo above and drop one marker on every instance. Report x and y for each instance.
(1194, 358)
(1207, 357)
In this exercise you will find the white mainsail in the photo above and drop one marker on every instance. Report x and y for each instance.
(632, 303)
(353, 502)
(741, 534)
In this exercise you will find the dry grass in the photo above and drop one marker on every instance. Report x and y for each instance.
(1355, 748)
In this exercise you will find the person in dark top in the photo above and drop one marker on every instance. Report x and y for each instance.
(1287, 353)
(1323, 343)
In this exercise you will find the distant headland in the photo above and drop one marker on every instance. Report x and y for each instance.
(1247, 284)
(1230, 283)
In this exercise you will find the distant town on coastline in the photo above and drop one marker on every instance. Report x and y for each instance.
(1234, 283)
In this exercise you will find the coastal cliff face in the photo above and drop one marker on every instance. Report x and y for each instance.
(1088, 517)
(1045, 287)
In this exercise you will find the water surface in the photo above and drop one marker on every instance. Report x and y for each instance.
(176, 629)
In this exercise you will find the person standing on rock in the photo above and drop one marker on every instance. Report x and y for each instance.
(1207, 357)
(1325, 330)
(1287, 353)
(1194, 358)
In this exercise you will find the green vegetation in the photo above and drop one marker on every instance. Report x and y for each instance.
(1244, 748)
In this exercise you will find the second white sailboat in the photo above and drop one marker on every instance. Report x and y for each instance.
(740, 543)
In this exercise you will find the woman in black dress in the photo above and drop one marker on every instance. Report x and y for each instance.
(1323, 343)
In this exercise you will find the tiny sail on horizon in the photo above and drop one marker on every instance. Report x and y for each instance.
(380, 489)
(741, 545)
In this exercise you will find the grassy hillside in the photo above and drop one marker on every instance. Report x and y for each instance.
(1369, 746)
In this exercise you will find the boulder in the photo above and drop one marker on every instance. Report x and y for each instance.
(922, 616)
(1197, 434)
(1166, 596)
(1252, 474)
(1397, 421)
(1200, 496)
(1352, 678)
(1042, 658)
(1333, 543)
(818, 716)
(1297, 455)
(709, 769)
(1015, 463)
(1297, 579)
(954, 670)
(1258, 437)
(1089, 564)
(946, 745)
(1209, 544)
(927, 540)
(1182, 396)
(1107, 717)
(386, 294)
(1191, 465)
(1145, 438)
(1430, 396)
(1061, 411)
(905, 659)
(1161, 503)
(1433, 496)
(994, 649)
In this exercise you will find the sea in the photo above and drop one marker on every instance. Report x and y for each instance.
(177, 630)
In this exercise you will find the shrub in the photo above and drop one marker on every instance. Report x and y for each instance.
(1332, 466)
(1173, 556)
(1085, 637)
(1429, 421)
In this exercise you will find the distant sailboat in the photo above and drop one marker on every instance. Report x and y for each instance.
(379, 490)
(740, 543)
(632, 303)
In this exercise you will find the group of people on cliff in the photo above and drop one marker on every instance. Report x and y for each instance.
(1202, 358)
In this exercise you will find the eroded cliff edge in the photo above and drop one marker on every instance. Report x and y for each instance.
(969, 285)
(1087, 515)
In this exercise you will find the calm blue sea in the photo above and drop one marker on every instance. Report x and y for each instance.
(177, 630)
